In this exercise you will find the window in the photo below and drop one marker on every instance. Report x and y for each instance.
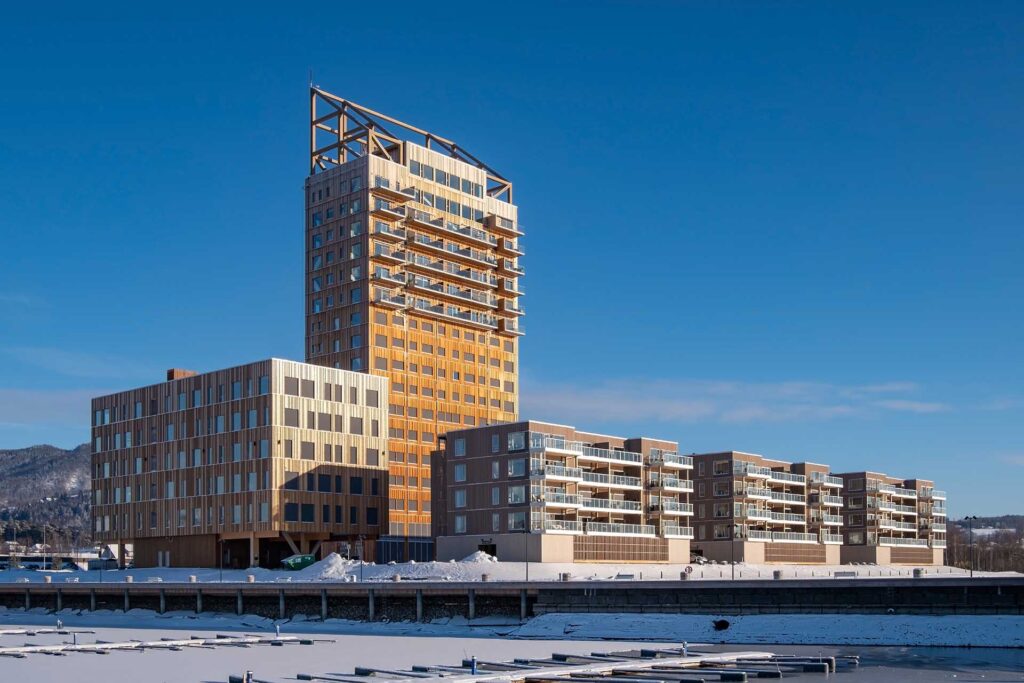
(291, 481)
(495, 495)
(495, 521)
(516, 495)
(460, 524)
(495, 443)
(517, 521)
(291, 417)
(517, 467)
(460, 498)
(721, 467)
(516, 441)
(308, 513)
(459, 447)
(460, 472)
(495, 469)
(355, 485)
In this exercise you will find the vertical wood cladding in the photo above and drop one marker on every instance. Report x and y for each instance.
(399, 287)
(257, 450)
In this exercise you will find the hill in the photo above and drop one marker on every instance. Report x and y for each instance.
(44, 485)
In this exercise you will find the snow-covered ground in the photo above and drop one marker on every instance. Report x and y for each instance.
(335, 568)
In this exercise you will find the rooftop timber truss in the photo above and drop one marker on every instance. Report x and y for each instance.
(341, 130)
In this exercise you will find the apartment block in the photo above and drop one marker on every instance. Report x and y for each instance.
(412, 275)
(242, 466)
(753, 509)
(893, 521)
(544, 492)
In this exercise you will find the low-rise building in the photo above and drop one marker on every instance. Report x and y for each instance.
(242, 466)
(889, 520)
(753, 509)
(548, 493)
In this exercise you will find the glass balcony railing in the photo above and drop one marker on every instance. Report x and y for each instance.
(938, 543)
(554, 525)
(676, 531)
(556, 497)
(794, 537)
(610, 504)
(826, 480)
(912, 542)
(788, 497)
(832, 501)
(831, 539)
(777, 475)
(897, 491)
(750, 469)
(610, 480)
(787, 517)
(893, 524)
(755, 492)
(671, 483)
(539, 441)
(669, 459)
(613, 529)
(540, 469)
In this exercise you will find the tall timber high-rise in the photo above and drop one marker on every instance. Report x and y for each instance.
(412, 273)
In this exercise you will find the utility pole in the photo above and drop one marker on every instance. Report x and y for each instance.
(970, 532)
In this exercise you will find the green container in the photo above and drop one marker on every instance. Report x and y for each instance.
(298, 561)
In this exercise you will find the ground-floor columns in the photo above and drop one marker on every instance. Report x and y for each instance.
(280, 604)
(371, 606)
(127, 601)
(238, 601)
(471, 595)
(522, 604)
(199, 601)
(163, 601)
(419, 604)
(92, 599)
(323, 604)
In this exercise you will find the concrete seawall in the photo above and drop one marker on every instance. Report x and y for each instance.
(421, 601)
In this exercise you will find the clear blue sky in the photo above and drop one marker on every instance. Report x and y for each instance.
(788, 228)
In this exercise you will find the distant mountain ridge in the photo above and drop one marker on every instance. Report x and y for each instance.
(45, 485)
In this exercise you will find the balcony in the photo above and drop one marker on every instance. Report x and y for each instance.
(440, 289)
(794, 498)
(905, 542)
(897, 491)
(557, 472)
(937, 526)
(451, 270)
(826, 480)
(898, 509)
(614, 481)
(755, 492)
(757, 514)
(502, 225)
(510, 327)
(828, 520)
(787, 478)
(793, 537)
(383, 231)
(899, 526)
(383, 253)
(556, 499)
(385, 209)
(671, 484)
(750, 469)
(939, 512)
(676, 531)
(558, 526)
(831, 539)
(511, 307)
(386, 278)
(787, 517)
(671, 507)
(662, 458)
(384, 298)
(393, 191)
(454, 314)
(938, 543)
(934, 494)
(609, 455)
(613, 529)
(507, 267)
(628, 506)
(540, 442)
(509, 246)
(758, 535)
(832, 501)
(422, 219)
(510, 287)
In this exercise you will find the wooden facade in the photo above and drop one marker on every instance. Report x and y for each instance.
(266, 459)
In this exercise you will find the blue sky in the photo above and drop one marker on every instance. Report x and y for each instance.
(788, 228)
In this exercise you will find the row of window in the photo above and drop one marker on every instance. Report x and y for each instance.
(347, 186)
(184, 400)
(238, 482)
(313, 482)
(306, 388)
(214, 424)
(108, 523)
(305, 513)
(449, 180)
(515, 441)
(516, 521)
(215, 455)
(349, 208)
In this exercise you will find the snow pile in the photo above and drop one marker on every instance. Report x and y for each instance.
(334, 567)
(479, 556)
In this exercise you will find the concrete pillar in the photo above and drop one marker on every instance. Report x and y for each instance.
(238, 601)
(280, 604)
(92, 599)
(163, 601)
(60, 600)
(254, 557)
(371, 607)
(127, 601)
(419, 604)
(323, 604)
(28, 599)
(471, 595)
(522, 604)
(199, 601)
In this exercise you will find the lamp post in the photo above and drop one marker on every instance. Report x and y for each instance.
(970, 535)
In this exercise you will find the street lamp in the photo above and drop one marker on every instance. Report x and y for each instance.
(970, 531)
